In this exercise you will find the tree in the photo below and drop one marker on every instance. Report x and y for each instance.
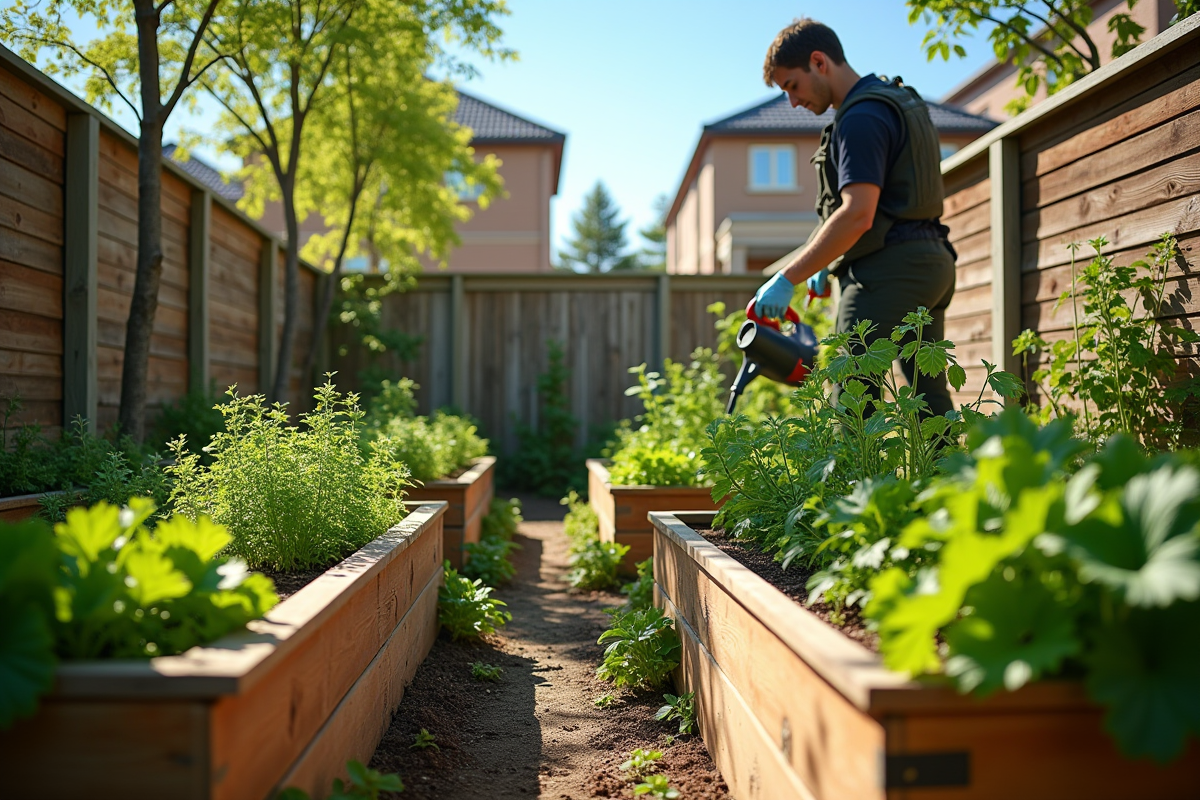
(599, 239)
(654, 254)
(282, 54)
(150, 71)
(381, 143)
(1046, 40)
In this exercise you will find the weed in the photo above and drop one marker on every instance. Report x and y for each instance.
(656, 786)
(640, 764)
(466, 608)
(605, 700)
(424, 740)
(486, 672)
(682, 708)
(644, 649)
(365, 784)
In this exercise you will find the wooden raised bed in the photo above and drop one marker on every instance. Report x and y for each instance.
(622, 509)
(22, 506)
(791, 708)
(469, 496)
(284, 703)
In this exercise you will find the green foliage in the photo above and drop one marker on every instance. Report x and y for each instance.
(546, 460)
(640, 763)
(294, 498)
(641, 591)
(593, 563)
(581, 525)
(682, 708)
(656, 786)
(1048, 42)
(661, 447)
(424, 740)
(599, 241)
(485, 672)
(359, 310)
(489, 557)
(644, 649)
(196, 416)
(365, 784)
(466, 608)
(104, 586)
(1031, 571)
(1119, 367)
(605, 700)
(502, 519)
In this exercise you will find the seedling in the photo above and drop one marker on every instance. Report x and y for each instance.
(485, 672)
(640, 764)
(604, 700)
(657, 786)
(365, 784)
(682, 708)
(424, 740)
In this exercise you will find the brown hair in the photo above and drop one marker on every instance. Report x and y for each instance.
(796, 43)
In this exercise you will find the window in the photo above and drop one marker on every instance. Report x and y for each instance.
(948, 149)
(772, 167)
(467, 192)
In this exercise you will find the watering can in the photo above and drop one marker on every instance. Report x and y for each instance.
(766, 351)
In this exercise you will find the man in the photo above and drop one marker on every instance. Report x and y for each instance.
(879, 198)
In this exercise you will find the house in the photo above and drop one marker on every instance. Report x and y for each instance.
(511, 235)
(990, 89)
(747, 197)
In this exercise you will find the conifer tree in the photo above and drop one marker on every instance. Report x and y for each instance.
(599, 241)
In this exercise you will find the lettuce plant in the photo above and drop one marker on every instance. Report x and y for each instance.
(643, 649)
(466, 607)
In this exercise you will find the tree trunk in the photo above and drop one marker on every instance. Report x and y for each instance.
(140, 325)
(291, 298)
(325, 306)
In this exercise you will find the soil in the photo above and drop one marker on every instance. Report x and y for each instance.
(535, 733)
(288, 583)
(791, 582)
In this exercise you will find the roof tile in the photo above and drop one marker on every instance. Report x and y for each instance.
(487, 122)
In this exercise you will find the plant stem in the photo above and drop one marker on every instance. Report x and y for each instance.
(1078, 346)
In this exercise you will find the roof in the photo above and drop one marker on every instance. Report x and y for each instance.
(776, 117)
(231, 190)
(491, 123)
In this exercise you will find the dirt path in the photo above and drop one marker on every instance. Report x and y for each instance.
(536, 732)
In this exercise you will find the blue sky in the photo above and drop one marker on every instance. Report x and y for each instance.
(631, 83)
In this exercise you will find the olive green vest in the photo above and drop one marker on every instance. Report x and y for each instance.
(913, 186)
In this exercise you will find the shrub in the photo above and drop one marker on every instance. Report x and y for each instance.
(488, 561)
(502, 519)
(593, 563)
(102, 585)
(644, 649)
(466, 608)
(196, 416)
(546, 460)
(294, 498)
(431, 447)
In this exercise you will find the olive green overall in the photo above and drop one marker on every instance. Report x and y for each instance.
(883, 282)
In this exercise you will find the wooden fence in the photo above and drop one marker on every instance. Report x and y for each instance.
(68, 248)
(1118, 155)
(486, 339)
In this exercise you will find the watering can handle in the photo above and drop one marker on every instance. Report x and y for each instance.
(752, 315)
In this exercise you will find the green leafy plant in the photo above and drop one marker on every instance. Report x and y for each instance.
(196, 416)
(502, 519)
(680, 707)
(466, 608)
(485, 672)
(488, 561)
(640, 763)
(103, 585)
(605, 700)
(1118, 368)
(293, 497)
(424, 740)
(1033, 569)
(656, 786)
(641, 591)
(643, 649)
(546, 460)
(593, 563)
(365, 784)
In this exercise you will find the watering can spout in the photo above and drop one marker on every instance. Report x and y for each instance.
(766, 351)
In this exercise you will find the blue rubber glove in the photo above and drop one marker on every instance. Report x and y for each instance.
(818, 284)
(772, 299)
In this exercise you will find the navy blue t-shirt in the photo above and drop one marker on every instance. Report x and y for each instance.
(866, 143)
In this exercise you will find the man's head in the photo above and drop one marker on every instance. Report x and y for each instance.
(802, 60)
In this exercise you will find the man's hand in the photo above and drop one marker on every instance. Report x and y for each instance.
(772, 299)
(818, 285)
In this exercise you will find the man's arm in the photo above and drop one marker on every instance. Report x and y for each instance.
(839, 233)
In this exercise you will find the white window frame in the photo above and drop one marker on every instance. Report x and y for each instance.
(786, 186)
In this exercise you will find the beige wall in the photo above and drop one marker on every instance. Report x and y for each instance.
(990, 91)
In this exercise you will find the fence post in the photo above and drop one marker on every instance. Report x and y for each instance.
(199, 247)
(267, 290)
(80, 224)
(663, 339)
(458, 342)
(1005, 173)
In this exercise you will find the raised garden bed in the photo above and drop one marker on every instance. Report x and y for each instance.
(469, 495)
(23, 506)
(284, 703)
(792, 708)
(622, 509)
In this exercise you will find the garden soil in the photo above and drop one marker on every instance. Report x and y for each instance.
(536, 732)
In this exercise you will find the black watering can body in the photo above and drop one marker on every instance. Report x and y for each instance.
(766, 351)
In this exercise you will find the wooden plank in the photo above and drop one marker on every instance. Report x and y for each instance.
(976, 192)
(37, 158)
(32, 252)
(30, 333)
(268, 272)
(21, 184)
(971, 221)
(19, 216)
(30, 364)
(15, 88)
(970, 302)
(1005, 291)
(974, 248)
(199, 267)
(80, 269)
(23, 288)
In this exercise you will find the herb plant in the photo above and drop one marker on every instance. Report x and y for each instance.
(424, 740)
(431, 447)
(466, 608)
(656, 786)
(485, 672)
(641, 591)
(643, 649)
(593, 563)
(365, 784)
(1117, 371)
(682, 708)
(102, 585)
(640, 763)
(294, 497)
